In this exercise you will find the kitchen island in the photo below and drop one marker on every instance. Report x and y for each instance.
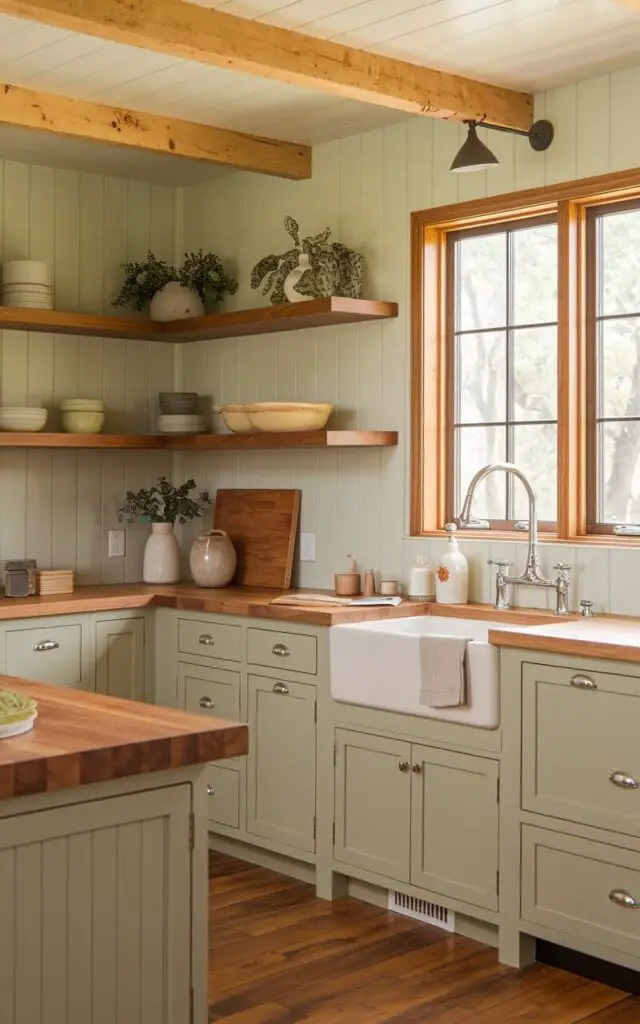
(103, 860)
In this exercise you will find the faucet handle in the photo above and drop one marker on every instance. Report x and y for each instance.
(502, 563)
(563, 567)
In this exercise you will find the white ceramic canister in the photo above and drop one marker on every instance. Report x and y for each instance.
(212, 559)
(452, 572)
(421, 586)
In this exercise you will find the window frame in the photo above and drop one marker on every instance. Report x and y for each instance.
(430, 360)
(450, 472)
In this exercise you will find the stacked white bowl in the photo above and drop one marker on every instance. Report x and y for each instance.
(22, 418)
(82, 415)
(27, 284)
(179, 413)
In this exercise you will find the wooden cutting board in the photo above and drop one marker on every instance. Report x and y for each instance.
(262, 525)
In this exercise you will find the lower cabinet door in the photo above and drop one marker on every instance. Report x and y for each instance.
(281, 765)
(454, 825)
(225, 784)
(96, 912)
(120, 658)
(372, 803)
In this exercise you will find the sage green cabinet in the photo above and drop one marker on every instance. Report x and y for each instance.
(580, 750)
(454, 825)
(225, 795)
(281, 765)
(407, 812)
(372, 803)
(54, 651)
(120, 657)
(208, 690)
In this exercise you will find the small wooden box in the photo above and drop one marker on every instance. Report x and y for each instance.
(55, 581)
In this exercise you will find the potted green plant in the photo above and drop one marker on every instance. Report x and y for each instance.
(171, 293)
(163, 505)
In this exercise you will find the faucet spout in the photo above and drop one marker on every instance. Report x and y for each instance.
(531, 574)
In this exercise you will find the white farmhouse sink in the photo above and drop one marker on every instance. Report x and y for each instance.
(377, 664)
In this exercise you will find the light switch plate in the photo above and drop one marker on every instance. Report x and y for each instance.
(117, 544)
(307, 547)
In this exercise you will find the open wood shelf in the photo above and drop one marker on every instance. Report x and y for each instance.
(291, 316)
(205, 442)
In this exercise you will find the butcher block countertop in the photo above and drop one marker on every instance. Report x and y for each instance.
(187, 597)
(617, 639)
(81, 738)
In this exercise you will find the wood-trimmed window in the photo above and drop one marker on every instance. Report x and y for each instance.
(526, 348)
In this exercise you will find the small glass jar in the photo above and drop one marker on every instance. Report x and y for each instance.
(20, 577)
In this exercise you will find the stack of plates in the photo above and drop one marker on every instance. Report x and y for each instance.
(22, 418)
(17, 713)
(182, 424)
(26, 283)
(55, 581)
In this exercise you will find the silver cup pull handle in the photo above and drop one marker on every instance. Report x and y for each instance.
(206, 702)
(622, 898)
(281, 688)
(624, 780)
(210, 790)
(46, 645)
(280, 650)
(583, 682)
(206, 640)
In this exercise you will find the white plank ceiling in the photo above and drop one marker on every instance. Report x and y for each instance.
(528, 44)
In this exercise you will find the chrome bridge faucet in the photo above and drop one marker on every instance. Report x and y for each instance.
(532, 576)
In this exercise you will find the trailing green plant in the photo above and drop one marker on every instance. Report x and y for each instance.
(334, 269)
(164, 503)
(202, 271)
(142, 279)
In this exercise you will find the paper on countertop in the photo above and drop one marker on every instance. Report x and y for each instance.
(377, 599)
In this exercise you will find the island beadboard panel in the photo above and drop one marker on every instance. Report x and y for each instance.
(83, 225)
(364, 187)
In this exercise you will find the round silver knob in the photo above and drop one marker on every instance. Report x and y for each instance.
(404, 766)
(416, 768)
(206, 702)
(210, 790)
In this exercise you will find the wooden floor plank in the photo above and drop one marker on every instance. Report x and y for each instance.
(281, 956)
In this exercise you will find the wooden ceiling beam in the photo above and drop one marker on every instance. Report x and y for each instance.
(82, 119)
(224, 40)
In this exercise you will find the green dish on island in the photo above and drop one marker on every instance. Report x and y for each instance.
(15, 707)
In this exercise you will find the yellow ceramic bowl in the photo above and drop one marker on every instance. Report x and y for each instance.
(276, 417)
(82, 422)
(235, 418)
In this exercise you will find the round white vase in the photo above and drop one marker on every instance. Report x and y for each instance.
(175, 302)
(291, 280)
(161, 555)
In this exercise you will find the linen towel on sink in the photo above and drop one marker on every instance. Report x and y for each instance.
(442, 674)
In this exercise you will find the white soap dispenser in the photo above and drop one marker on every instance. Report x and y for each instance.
(452, 572)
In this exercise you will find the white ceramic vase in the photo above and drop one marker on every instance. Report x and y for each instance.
(293, 277)
(161, 555)
(175, 302)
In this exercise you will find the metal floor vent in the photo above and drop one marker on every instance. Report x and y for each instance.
(422, 910)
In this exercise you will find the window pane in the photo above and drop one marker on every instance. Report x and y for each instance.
(536, 454)
(620, 367)
(477, 447)
(482, 366)
(535, 373)
(620, 472)
(481, 282)
(535, 275)
(619, 262)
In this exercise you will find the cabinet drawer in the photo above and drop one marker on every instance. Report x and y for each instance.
(209, 691)
(292, 651)
(580, 750)
(210, 640)
(581, 888)
(47, 654)
(224, 795)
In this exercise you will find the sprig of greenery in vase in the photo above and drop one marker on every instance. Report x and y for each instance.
(164, 503)
(202, 271)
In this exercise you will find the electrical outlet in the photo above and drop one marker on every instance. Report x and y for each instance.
(307, 547)
(117, 544)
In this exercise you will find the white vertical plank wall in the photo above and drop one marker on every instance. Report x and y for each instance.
(57, 506)
(364, 187)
